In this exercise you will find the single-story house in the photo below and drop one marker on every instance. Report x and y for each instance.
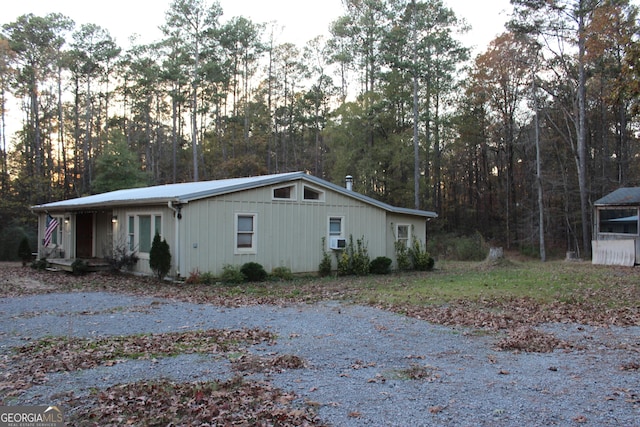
(616, 239)
(276, 220)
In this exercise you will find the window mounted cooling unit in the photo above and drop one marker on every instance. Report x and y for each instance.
(337, 243)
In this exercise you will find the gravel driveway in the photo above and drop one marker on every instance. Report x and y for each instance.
(359, 361)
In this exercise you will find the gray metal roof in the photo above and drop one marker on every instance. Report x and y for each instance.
(620, 197)
(187, 192)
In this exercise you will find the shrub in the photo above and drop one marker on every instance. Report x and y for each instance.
(354, 259)
(194, 278)
(207, 278)
(120, 258)
(324, 269)
(79, 267)
(160, 257)
(402, 256)
(24, 251)
(253, 272)
(232, 274)
(40, 264)
(380, 265)
(282, 273)
(420, 258)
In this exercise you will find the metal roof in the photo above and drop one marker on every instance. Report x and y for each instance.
(187, 192)
(620, 197)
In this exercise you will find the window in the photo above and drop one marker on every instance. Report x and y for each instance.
(313, 194)
(285, 193)
(141, 231)
(402, 234)
(335, 226)
(131, 233)
(245, 233)
(619, 221)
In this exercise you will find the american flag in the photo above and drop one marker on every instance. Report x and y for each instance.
(52, 224)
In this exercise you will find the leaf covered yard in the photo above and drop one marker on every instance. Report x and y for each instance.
(510, 302)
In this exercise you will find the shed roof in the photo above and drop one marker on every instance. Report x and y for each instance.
(621, 197)
(187, 192)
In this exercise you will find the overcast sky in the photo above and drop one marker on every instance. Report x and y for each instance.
(302, 19)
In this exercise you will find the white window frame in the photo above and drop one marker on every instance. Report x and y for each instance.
(320, 198)
(342, 226)
(293, 196)
(254, 234)
(135, 235)
(406, 240)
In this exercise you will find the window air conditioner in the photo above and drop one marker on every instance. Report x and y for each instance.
(337, 243)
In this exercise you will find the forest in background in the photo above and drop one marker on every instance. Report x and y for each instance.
(513, 144)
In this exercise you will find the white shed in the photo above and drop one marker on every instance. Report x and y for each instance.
(275, 220)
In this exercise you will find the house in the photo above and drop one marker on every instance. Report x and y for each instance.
(616, 239)
(276, 220)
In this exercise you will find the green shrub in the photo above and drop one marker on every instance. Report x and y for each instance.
(207, 278)
(324, 269)
(354, 259)
(40, 264)
(282, 273)
(253, 272)
(380, 265)
(420, 258)
(24, 251)
(79, 267)
(459, 248)
(160, 257)
(232, 274)
(402, 256)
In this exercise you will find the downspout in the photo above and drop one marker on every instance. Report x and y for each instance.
(177, 215)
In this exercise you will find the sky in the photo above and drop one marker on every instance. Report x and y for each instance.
(301, 20)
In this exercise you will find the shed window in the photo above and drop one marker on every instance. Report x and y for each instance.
(402, 234)
(313, 194)
(245, 233)
(619, 221)
(284, 193)
(335, 226)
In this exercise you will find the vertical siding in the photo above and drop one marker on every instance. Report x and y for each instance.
(120, 232)
(289, 233)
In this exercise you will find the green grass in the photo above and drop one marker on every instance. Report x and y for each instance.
(542, 282)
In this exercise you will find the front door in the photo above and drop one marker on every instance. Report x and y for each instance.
(84, 236)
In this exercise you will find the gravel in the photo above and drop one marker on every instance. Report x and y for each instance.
(359, 360)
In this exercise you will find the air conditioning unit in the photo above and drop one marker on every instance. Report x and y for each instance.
(337, 243)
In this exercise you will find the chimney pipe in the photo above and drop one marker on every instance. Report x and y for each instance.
(349, 182)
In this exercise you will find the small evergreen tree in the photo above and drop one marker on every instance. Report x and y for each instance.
(24, 251)
(160, 257)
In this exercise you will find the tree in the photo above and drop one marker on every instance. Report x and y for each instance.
(192, 22)
(160, 257)
(558, 23)
(118, 167)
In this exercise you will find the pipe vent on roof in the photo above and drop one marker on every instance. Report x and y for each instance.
(349, 182)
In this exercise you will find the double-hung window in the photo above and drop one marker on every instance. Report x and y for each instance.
(245, 236)
(402, 234)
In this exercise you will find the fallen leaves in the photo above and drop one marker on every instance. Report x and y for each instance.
(32, 362)
(232, 402)
(531, 340)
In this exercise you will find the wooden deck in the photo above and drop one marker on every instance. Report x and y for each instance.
(66, 264)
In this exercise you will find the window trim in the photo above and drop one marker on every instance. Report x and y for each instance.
(321, 194)
(134, 246)
(292, 197)
(254, 233)
(408, 238)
